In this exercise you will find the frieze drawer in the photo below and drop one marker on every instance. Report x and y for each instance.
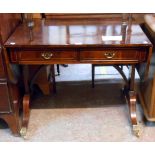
(110, 55)
(43, 56)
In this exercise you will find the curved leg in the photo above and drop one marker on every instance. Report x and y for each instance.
(26, 102)
(132, 108)
(131, 99)
(26, 114)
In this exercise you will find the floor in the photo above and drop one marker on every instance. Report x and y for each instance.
(80, 113)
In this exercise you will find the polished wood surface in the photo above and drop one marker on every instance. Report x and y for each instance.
(113, 43)
(77, 35)
(8, 23)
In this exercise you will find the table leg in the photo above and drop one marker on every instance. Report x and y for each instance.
(131, 99)
(26, 102)
(58, 69)
(93, 75)
(52, 77)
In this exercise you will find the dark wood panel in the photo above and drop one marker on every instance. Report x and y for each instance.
(136, 17)
(2, 73)
(83, 16)
(4, 98)
(8, 23)
(9, 98)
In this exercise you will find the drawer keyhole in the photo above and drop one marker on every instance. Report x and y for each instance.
(109, 55)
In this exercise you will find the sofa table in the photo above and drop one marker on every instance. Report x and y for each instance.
(107, 43)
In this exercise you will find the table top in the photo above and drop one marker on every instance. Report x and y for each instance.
(99, 33)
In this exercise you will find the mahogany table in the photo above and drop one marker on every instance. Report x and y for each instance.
(108, 43)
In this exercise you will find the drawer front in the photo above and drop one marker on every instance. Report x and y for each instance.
(109, 55)
(4, 98)
(2, 73)
(44, 56)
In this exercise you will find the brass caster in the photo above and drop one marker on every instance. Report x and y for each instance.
(137, 130)
(23, 132)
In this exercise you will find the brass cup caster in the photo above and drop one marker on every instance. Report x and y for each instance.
(137, 130)
(23, 132)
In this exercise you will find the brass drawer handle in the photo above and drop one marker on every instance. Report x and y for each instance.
(109, 55)
(47, 55)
